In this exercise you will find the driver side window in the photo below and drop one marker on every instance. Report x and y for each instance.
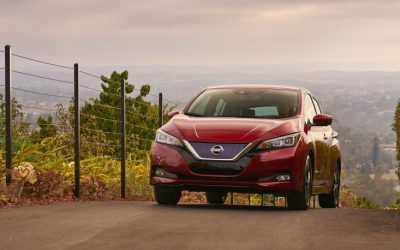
(309, 109)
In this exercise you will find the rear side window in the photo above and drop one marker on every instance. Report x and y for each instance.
(309, 109)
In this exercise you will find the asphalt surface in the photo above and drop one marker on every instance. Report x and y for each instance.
(145, 225)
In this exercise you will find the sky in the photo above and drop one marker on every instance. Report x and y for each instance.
(205, 32)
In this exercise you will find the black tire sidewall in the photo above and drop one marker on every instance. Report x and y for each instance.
(166, 195)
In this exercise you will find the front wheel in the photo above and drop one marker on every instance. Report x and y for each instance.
(166, 196)
(331, 200)
(301, 200)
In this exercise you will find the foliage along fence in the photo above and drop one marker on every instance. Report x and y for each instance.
(92, 146)
(396, 129)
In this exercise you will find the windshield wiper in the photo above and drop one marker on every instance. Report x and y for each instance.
(194, 114)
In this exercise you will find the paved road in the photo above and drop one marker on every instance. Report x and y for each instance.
(133, 225)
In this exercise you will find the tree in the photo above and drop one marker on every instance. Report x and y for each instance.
(64, 120)
(100, 116)
(20, 127)
(396, 128)
(375, 153)
(47, 128)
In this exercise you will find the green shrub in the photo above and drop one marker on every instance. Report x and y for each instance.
(396, 204)
(365, 202)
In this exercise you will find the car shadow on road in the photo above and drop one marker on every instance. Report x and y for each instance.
(228, 207)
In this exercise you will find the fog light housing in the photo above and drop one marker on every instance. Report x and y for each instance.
(283, 177)
(163, 173)
(276, 177)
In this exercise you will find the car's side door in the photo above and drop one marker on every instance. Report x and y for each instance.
(325, 171)
(315, 134)
(330, 159)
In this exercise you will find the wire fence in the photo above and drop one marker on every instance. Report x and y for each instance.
(97, 142)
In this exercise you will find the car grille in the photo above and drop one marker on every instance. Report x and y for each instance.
(213, 167)
(230, 150)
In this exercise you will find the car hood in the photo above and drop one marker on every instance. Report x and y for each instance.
(238, 130)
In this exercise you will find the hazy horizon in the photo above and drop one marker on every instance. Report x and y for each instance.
(287, 35)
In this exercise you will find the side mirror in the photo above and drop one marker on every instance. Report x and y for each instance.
(173, 113)
(322, 120)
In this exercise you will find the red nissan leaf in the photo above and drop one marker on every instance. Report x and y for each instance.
(248, 139)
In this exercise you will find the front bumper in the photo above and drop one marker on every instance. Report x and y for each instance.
(239, 176)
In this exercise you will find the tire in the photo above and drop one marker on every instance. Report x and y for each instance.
(331, 200)
(301, 200)
(166, 196)
(216, 197)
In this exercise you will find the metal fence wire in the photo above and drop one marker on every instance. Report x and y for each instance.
(104, 144)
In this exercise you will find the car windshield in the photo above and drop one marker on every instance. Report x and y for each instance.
(246, 103)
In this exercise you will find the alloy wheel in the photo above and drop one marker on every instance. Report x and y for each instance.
(336, 186)
(308, 182)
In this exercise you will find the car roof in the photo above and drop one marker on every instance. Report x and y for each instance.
(257, 86)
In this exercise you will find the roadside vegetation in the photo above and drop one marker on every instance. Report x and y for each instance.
(43, 154)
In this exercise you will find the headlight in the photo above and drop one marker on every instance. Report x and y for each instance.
(280, 142)
(165, 138)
